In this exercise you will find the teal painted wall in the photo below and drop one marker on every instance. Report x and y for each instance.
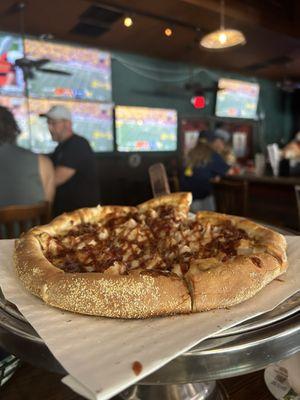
(137, 78)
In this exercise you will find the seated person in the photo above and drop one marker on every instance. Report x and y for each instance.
(223, 146)
(25, 178)
(290, 155)
(202, 165)
(292, 150)
(221, 131)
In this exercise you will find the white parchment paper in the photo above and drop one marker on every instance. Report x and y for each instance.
(98, 353)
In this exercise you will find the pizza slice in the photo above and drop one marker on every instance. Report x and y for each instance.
(239, 258)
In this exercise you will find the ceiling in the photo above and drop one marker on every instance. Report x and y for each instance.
(271, 28)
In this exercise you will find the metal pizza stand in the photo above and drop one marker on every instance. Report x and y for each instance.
(245, 348)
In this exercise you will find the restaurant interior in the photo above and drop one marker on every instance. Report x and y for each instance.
(145, 81)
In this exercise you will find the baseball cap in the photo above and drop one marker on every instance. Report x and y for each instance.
(58, 112)
(222, 134)
(208, 136)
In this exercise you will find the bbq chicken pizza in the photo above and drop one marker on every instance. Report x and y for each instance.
(155, 259)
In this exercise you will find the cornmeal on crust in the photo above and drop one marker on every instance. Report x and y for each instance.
(182, 200)
(149, 260)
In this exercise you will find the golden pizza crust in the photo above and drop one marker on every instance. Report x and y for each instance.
(124, 296)
(32, 266)
(67, 221)
(208, 284)
(231, 282)
(183, 200)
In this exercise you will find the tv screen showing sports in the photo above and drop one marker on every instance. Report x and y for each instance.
(237, 99)
(71, 73)
(11, 77)
(90, 120)
(145, 129)
(17, 105)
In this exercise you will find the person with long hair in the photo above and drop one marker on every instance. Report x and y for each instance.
(25, 178)
(203, 163)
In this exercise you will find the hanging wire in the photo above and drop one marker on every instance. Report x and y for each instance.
(147, 67)
(155, 77)
(184, 73)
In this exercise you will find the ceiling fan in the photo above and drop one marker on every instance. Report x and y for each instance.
(288, 85)
(27, 65)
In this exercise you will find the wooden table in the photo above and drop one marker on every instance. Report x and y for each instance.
(31, 383)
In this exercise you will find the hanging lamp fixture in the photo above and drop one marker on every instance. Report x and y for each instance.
(223, 38)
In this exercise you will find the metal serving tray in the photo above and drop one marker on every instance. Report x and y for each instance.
(246, 347)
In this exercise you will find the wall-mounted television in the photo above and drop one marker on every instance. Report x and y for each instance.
(91, 120)
(17, 105)
(142, 129)
(237, 99)
(85, 73)
(11, 76)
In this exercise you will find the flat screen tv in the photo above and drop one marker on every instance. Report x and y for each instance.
(237, 99)
(142, 129)
(11, 76)
(91, 120)
(17, 105)
(85, 73)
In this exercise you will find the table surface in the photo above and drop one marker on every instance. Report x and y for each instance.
(31, 383)
(279, 180)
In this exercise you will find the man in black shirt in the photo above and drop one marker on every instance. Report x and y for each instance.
(76, 176)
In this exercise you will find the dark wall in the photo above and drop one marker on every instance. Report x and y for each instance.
(296, 110)
(142, 81)
(122, 183)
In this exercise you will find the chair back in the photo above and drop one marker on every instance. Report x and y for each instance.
(159, 180)
(297, 193)
(231, 197)
(15, 220)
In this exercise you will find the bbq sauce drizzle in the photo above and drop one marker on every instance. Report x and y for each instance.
(162, 235)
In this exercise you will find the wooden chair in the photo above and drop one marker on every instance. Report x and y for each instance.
(231, 197)
(15, 220)
(297, 193)
(159, 180)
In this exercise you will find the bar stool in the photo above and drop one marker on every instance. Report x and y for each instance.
(297, 193)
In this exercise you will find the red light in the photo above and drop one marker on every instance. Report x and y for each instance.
(198, 101)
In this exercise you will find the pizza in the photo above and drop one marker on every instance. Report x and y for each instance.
(155, 259)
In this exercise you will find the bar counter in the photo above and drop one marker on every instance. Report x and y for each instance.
(271, 180)
(271, 199)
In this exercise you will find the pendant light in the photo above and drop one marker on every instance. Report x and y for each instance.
(222, 38)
